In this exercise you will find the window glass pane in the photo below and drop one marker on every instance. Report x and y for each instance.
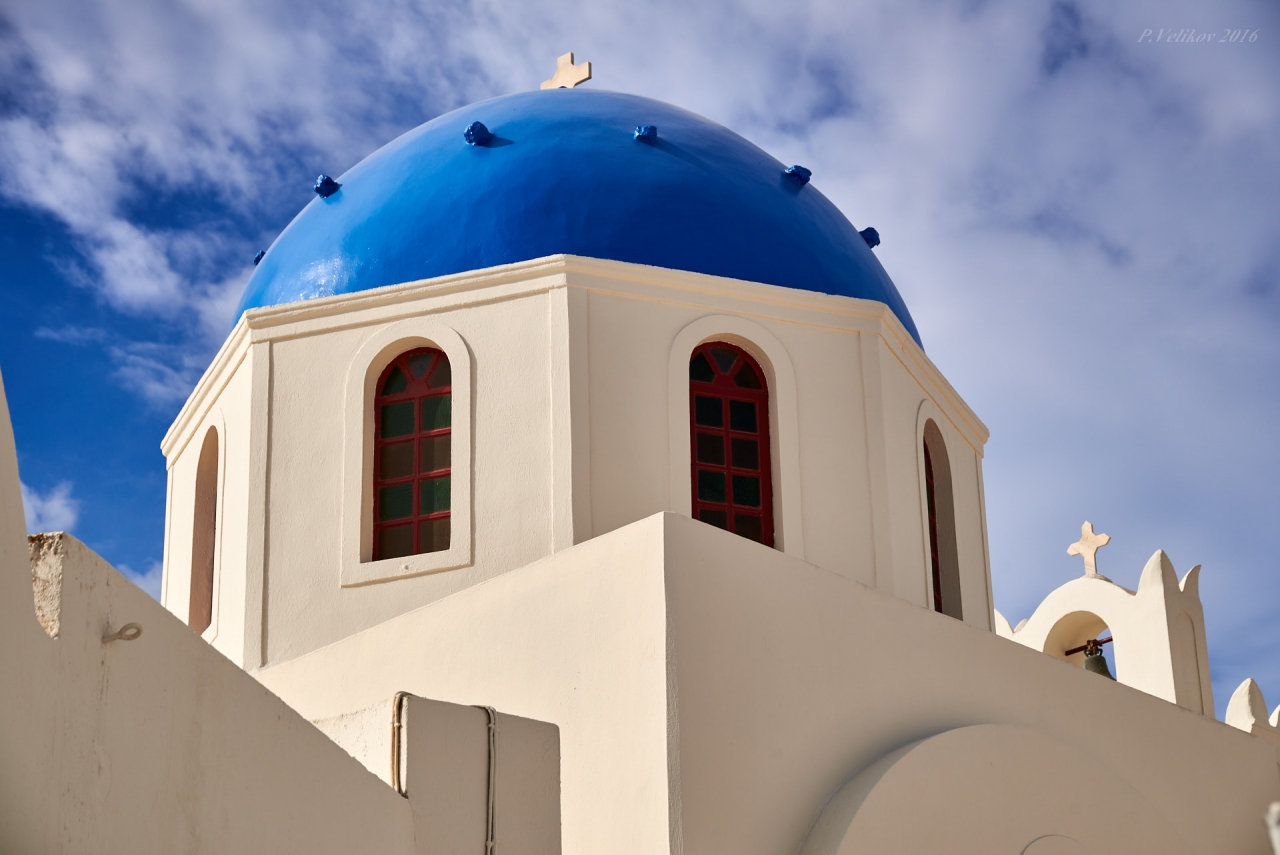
(395, 541)
(742, 416)
(395, 461)
(710, 448)
(708, 411)
(420, 362)
(395, 502)
(710, 486)
(397, 419)
(724, 357)
(746, 377)
(435, 453)
(442, 376)
(748, 525)
(701, 370)
(436, 412)
(746, 491)
(719, 519)
(396, 382)
(746, 453)
(433, 535)
(434, 495)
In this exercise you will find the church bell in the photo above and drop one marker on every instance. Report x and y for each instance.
(1094, 660)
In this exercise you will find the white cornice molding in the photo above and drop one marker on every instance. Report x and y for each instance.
(215, 377)
(510, 281)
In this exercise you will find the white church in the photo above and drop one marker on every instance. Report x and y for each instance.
(574, 480)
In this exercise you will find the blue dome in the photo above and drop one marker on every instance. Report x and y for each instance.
(565, 174)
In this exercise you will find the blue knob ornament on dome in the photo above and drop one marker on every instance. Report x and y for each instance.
(477, 134)
(798, 174)
(326, 186)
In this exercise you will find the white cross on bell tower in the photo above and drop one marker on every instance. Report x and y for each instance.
(1088, 546)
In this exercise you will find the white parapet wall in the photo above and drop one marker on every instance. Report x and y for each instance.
(158, 743)
(155, 744)
(1247, 711)
(123, 731)
(714, 695)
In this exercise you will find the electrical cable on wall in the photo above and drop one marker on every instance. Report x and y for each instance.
(397, 729)
(493, 774)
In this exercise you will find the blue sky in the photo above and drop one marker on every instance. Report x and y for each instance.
(1083, 221)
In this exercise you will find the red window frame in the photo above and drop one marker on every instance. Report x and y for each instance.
(421, 378)
(728, 491)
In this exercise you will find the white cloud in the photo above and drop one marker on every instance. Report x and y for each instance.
(55, 510)
(148, 580)
(72, 334)
(161, 375)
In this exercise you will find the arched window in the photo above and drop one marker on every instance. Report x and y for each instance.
(412, 455)
(729, 435)
(204, 534)
(943, 558)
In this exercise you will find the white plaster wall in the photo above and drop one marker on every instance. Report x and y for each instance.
(765, 683)
(902, 396)
(306, 606)
(901, 402)
(629, 348)
(233, 521)
(981, 794)
(791, 680)
(577, 639)
(230, 416)
(833, 451)
(631, 328)
(448, 755)
(365, 735)
(175, 592)
(631, 337)
(159, 744)
(971, 533)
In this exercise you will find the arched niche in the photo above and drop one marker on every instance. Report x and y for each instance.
(1071, 631)
(204, 535)
(944, 558)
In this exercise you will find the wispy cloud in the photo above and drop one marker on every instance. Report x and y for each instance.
(158, 373)
(54, 510)
(148, 580)
(73, 335)
(161, 374)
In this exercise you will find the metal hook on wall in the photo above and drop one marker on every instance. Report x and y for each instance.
(128, 632)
